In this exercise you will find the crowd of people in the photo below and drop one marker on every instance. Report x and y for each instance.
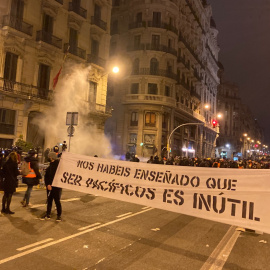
(12, 165)
(259, 163)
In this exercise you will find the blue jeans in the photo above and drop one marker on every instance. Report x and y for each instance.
(27, 194)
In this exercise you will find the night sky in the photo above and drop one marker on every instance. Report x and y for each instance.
(244, 41)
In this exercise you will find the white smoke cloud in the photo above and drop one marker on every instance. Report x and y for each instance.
(70, 96)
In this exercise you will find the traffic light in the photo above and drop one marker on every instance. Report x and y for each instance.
(214, 123)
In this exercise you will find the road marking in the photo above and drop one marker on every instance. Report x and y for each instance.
(35, 244)
(146, 207)
(66, 200)
(222, 251)
(126, 214)
(71, 200)
(69, 237)
(37, 205)
(90, 226)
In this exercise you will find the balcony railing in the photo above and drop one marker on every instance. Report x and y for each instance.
(98, 22)
(162, 25)
(77, 9)
(162, 48)
(49, 38)
(148, 97)
(18, 24)
(91, 58)
(26, 90)
(138, 47)
(59, 1)
(134, 25)
(155, 72)
(75, 51)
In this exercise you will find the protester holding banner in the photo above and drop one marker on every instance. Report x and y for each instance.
(53, 193)
(10, 173)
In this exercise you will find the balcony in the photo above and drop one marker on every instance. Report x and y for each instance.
(148, 98)
(134, 25)
(59, 1)
(17, 24)
(162, 25)
(137, 47)
(94, 59)
(98, 22)
(77, 9)
(156, 72)
(25, 90)
(161, 48)
(75, 51)
(49, 38)
(183, 61)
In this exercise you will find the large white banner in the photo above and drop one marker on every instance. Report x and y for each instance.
(234, 196)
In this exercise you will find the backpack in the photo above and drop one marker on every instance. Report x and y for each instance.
(25, 168)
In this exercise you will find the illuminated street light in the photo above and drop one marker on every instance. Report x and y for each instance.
(245, 134)
(115, 69)
(207, 106)
(219, 115)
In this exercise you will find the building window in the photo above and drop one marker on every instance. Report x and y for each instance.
(17, 7)
(155, 42)
(97, 12)
(152, 89)
(134, 119)
(137, 42)
(154, 66)
(43, 80)
(139, 17)
(134, 88)
(133, 138)
(7, 121)
(167, 91)
(136, 66)
(10, 67)
(91, 97)
(156, 19)
(47, 24)
(73, 40)
(94, 47)
(150, 119)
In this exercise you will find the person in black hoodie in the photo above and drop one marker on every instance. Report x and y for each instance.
(32, 179)
(10, 173)
(53, 193)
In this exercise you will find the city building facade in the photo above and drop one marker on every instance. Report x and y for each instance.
(168, 57)
(240, 134)
(37, 36)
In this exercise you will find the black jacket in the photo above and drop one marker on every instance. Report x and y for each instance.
(34, 165)
(10, 173)
(50, 172)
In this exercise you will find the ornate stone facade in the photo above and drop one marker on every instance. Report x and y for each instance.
(167, 52)
(35, 36)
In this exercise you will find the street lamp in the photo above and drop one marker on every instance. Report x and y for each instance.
(115, 69)
(168, 143)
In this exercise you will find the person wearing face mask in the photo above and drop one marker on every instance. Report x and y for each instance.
(53, 193)
(33, 176)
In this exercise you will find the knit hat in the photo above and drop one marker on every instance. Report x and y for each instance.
(52, 155)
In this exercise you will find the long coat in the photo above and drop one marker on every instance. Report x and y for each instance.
(10, 173)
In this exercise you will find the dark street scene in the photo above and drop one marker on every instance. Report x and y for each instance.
(134, 134)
